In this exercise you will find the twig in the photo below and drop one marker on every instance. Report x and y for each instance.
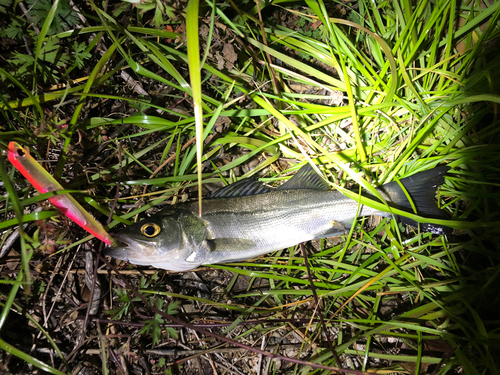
(117, 194)
(225, 339)
(182, 352)
(10, 241)
(169, 160)
(88, 262)
(262, 346)
(61, 286)
(316, 299)
(268, 56)
(213, 325)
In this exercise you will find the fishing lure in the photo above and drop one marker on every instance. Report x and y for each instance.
(64, 202)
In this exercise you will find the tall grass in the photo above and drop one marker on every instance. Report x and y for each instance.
(372, 91)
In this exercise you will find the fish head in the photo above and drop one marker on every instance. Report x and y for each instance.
(157, 241)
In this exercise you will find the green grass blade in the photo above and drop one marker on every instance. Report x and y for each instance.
(195, 77)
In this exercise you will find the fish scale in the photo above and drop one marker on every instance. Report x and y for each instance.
(267, 218)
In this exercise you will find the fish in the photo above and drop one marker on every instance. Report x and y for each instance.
(247, 219)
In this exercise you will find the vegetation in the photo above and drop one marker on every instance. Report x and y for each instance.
(137, 105)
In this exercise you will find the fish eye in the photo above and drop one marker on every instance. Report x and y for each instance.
(150, 229)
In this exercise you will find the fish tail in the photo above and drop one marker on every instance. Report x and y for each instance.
(421, 187)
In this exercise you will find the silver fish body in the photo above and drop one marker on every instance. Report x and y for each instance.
(240, 224)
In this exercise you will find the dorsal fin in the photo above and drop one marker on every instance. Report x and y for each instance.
(305, 178)
(247, 186)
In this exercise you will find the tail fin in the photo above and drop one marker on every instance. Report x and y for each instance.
(421, 188)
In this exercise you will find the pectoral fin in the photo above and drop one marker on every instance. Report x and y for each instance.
(221, 249)
(230, 244)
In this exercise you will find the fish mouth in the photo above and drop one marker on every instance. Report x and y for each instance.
(127, 248)
(144, 253)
